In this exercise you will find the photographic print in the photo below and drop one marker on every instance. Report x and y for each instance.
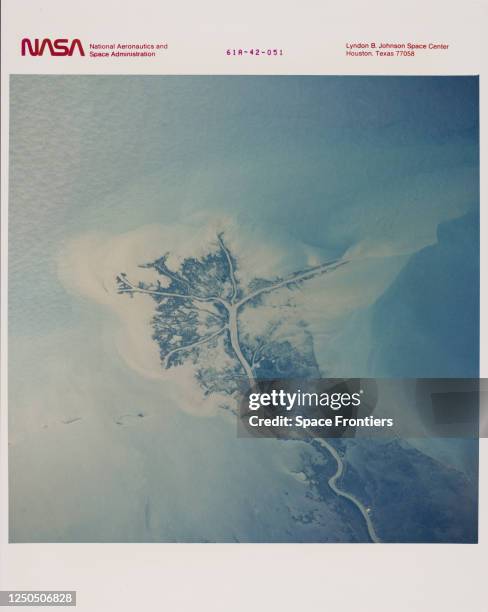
(174, 239)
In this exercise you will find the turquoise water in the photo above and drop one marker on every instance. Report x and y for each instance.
(296, 170)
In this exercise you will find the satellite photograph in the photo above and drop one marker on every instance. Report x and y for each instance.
(174, 239)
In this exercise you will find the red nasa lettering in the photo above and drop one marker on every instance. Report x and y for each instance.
(56, 47)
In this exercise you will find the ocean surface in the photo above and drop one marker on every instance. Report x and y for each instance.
(108, 173)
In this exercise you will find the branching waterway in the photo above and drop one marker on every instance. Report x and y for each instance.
(181, 289)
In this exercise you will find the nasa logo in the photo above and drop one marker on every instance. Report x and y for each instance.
(56, 47)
